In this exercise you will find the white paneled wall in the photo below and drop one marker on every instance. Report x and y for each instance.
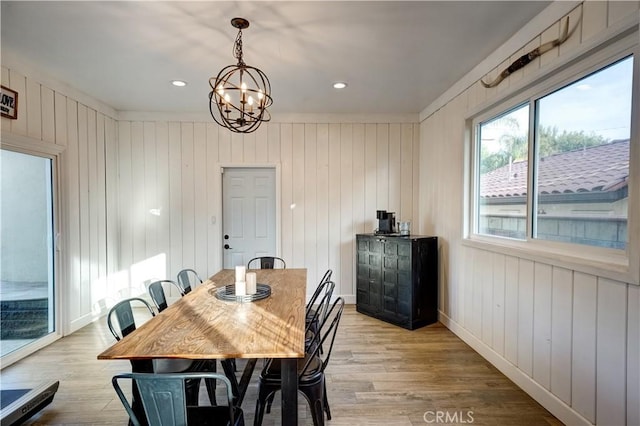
(568, 338)
(86, 135)
(140, 199)
(336, 174)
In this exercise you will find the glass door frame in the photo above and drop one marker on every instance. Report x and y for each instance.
(53, 152)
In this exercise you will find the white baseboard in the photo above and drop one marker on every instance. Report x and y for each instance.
(80, 322)
(545, 398)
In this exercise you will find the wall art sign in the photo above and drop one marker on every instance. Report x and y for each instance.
(9, 103)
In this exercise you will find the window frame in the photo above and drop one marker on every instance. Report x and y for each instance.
(621, 265)
(55, 153)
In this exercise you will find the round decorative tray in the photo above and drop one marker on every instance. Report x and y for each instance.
(228, 293)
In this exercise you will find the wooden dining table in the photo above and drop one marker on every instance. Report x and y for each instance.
(200, 326)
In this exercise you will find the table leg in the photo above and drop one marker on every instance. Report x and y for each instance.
(245, 379)
(289, 391)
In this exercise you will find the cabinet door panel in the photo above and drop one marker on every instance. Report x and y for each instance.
(404, 279)
(404, 249)
(390, 277)
(363, 292)
(390, 262)
(390, 248)
(404, 264)
(375, 246)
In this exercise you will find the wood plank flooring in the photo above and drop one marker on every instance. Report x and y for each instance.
(379, 374)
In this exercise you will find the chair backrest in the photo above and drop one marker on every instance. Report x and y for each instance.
(187, 279)
(267, 262)
(156, 291)
(318, 305)
(163, 397)
(320, 288)
(316, 313)
(123, 313)
(325, 336)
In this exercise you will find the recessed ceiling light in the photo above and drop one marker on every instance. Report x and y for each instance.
(339, 85)
(179, 83)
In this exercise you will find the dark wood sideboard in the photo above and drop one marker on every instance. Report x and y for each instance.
(397, 278)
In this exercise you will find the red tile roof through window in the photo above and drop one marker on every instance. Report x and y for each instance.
(600, 168)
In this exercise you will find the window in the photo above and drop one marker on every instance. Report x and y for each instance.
(504, 147)
(577, 137)
(582, 159)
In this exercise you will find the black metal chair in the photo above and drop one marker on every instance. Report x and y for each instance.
(165, 403)
(188, 279)
(320, 290)
(268, 262)
(311, 371)
(316, 311)
(313, 318)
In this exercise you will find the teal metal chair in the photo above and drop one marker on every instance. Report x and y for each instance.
(164, 401)
(157, 292)
(187, 279)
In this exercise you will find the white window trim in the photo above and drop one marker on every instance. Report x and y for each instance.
(621, 265)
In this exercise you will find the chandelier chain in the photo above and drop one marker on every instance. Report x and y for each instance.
(237, 48)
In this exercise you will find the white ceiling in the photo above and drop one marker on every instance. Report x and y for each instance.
(397, 57)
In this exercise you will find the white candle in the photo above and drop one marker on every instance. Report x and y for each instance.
(240, 273)
(241, 288)
(251, 283)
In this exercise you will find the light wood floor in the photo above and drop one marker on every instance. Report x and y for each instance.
(379, 374)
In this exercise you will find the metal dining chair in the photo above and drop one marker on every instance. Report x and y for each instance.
(267, 262)
(157, 292)
(188, 279)
(320, 289)
(165, 403)
(311, 371)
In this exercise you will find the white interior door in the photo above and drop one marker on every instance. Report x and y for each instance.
(248, 214)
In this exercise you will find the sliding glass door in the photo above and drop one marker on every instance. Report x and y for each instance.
(27, 304)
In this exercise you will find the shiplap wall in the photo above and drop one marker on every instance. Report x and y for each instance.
(336, 174)
(87, 238)
(568, 338)
(113, 173)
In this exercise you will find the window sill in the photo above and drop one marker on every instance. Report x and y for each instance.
(606, 263)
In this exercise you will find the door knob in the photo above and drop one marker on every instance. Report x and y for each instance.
(226, 247)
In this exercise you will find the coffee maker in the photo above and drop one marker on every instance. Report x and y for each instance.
(386, 222)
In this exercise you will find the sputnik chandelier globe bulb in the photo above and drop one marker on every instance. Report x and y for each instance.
(240, 94)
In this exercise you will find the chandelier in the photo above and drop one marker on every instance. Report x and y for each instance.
(240, 94)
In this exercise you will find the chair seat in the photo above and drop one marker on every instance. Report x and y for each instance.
(213, 416)
(171, 365)
(272, 371)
